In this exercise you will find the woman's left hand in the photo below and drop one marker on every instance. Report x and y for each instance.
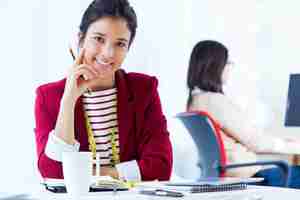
(109, 171)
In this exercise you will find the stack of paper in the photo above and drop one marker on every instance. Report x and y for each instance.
(106, 182)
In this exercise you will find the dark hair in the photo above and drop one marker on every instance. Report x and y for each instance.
(207, 62)
(109, 8)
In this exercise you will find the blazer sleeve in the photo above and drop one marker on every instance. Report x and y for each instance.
(44, 124)
(154, 149)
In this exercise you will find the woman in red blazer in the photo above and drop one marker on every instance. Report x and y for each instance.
(106, 32)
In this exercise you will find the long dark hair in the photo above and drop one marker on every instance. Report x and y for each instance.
(109, 8)
(207, 62)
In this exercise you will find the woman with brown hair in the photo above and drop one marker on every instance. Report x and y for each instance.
(208, 71)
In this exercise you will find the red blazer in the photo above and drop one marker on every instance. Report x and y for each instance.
(143, 134)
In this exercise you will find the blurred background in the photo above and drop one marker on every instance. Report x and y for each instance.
(262, 37)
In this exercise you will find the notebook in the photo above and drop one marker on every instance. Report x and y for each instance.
(203, 185)
(100, 184)
(207, 187)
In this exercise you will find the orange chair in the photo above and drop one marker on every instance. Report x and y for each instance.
(206, 134)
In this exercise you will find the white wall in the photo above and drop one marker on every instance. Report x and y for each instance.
(277, 54)
(17, 141)
(262, 37)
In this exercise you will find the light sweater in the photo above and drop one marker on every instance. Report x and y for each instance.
(242, 140)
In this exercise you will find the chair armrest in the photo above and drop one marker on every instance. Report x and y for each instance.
(283, 165)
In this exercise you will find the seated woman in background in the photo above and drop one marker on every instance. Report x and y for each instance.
(208, 71)
(99, 107)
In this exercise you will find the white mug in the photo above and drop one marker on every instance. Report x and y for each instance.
(77, 170)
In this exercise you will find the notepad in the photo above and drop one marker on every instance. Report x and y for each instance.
(204, 185)
(103, 183)
(107, 183)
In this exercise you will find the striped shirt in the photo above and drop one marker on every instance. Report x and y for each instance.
(101, 109)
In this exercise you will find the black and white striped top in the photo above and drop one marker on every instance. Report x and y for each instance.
(101, 109)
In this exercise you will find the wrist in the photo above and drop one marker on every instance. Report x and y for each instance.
(69, 139)
(68, 101)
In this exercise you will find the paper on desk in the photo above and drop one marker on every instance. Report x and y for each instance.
(216, 181)
(60, 182)
(108, 182)
(105, 182)
(153, 185)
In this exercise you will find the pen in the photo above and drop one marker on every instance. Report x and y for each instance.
(161, 192)
(73, 56)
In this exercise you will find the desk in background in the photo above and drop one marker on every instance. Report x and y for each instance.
(293, 159)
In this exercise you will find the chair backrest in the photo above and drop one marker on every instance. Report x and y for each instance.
(206, 135)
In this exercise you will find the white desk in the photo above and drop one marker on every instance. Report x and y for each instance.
(252, 193)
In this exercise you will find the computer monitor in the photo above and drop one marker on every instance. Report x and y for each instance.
(292, 114)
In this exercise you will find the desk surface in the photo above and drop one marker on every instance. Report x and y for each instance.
(252, 193)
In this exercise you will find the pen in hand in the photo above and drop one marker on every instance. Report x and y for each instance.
(73, 56)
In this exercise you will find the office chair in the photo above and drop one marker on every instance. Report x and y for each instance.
(206, 134)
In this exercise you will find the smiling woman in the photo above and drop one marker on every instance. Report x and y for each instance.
(121, 118)
(105, 46)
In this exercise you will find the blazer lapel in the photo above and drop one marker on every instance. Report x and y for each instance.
(125, 112)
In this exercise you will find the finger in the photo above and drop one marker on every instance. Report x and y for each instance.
(85, 73)
(79, 59)
(90, 68)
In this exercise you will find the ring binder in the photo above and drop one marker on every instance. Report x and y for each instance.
(211, 185)
(218, 188)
